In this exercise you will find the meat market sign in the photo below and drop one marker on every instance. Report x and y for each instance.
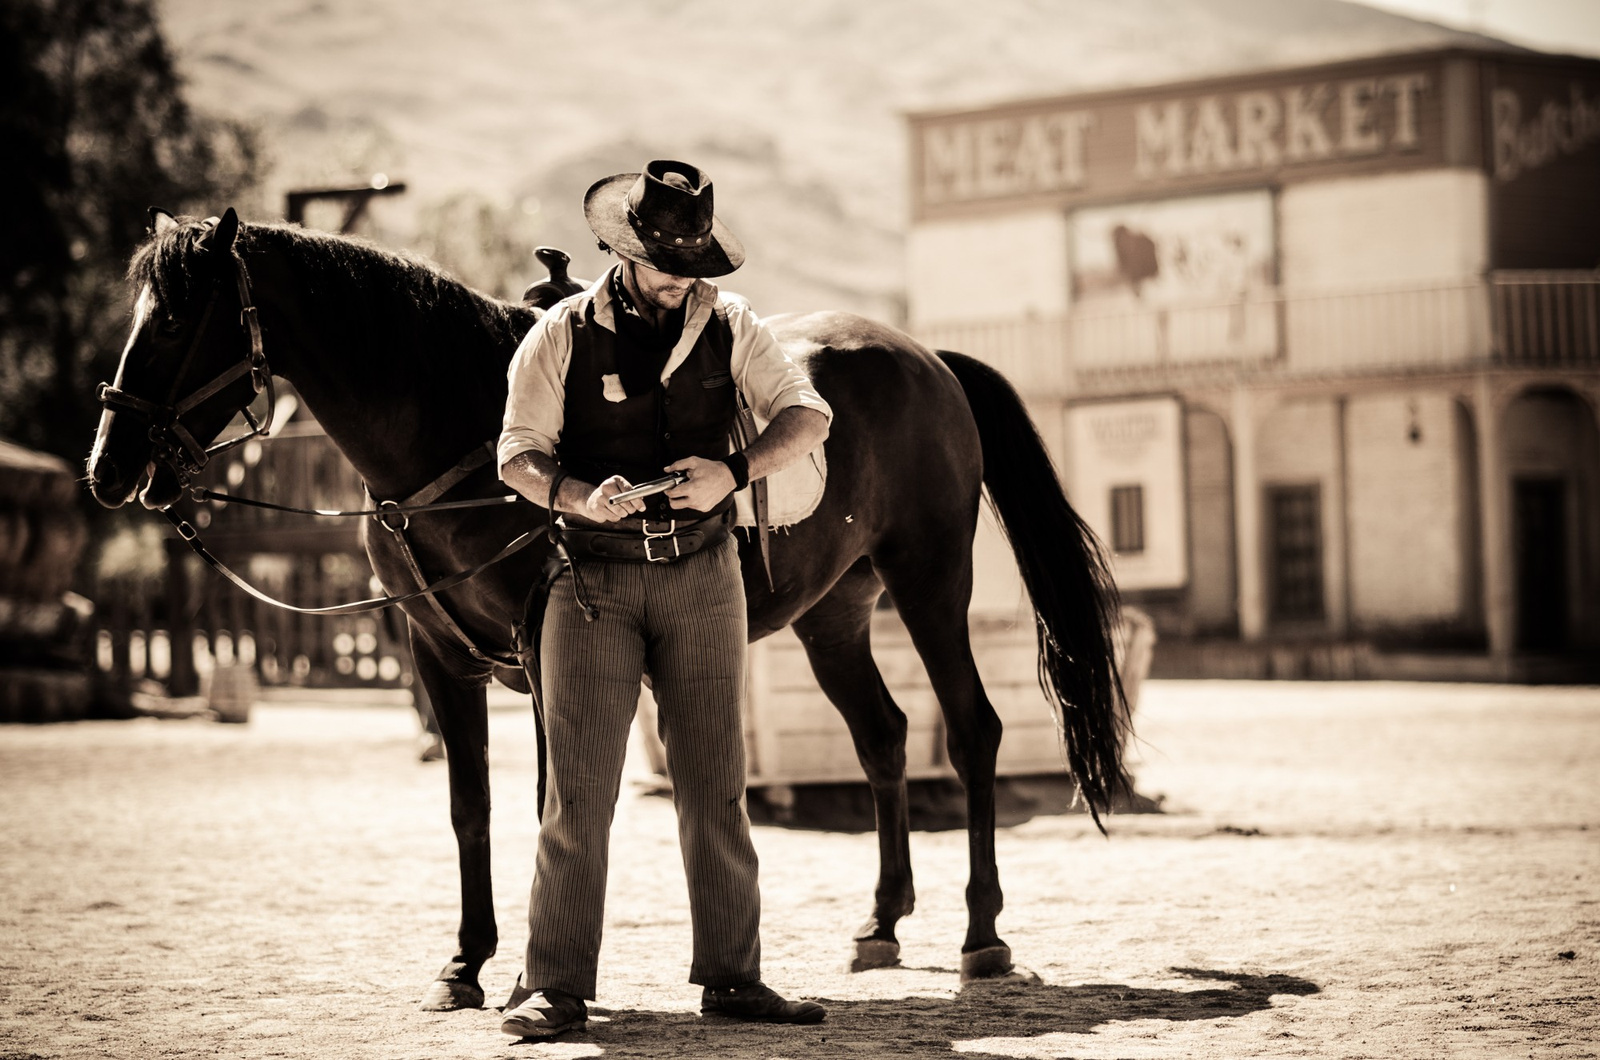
(1239, 132)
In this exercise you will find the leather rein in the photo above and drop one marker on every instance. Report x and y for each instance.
(176, 447)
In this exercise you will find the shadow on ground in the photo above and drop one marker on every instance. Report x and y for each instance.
(930, 1026)
(936, 805)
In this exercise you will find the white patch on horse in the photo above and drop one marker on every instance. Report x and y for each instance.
(141, 313)
(797, 349)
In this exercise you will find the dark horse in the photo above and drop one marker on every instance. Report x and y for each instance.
(406, 370)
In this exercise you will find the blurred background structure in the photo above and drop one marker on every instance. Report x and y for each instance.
(1295, 288)
(44, 626)
(1320, 348)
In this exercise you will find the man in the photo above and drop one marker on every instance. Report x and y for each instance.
(615, 386)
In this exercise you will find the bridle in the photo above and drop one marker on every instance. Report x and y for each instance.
(177, 447)
(173, 444)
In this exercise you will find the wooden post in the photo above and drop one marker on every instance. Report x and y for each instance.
(1494, 512)
(353, 199)
(283, 623)
(145, 618)
(120, 627)
(1247, 518)
(182, 681)
(1337, 519)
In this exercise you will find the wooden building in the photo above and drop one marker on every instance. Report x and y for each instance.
(1317, 349)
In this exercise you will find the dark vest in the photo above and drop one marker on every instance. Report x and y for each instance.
(638, 436)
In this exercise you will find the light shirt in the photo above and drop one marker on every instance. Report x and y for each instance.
(535, 406)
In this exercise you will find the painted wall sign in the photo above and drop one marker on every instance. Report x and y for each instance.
(1205, 249)
(1542, 139)
(1210, 135)
(1532, 129)
(1206, 263)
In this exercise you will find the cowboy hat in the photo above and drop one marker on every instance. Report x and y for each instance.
(663, 218)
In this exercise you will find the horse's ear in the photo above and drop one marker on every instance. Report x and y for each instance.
(226, 231)
(161, 221)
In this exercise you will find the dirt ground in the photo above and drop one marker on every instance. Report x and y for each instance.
(1370, 870)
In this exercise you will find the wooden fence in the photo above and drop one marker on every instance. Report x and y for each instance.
(175, 631)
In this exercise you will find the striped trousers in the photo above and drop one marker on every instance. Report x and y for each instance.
(684, 623)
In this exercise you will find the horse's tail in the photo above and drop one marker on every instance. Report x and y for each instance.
(1064, 569)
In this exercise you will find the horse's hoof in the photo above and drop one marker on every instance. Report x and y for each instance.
(991, 962)
(446, 996)
(875, 953)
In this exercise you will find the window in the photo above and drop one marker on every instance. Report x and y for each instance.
(1294, 521)
(1127, 519)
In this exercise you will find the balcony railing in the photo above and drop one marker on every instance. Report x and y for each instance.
(1513, 318)
(1546, 318)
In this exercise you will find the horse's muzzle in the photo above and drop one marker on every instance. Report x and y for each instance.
(162, 487)
(107, 485)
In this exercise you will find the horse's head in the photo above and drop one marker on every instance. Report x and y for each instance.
(192, 362)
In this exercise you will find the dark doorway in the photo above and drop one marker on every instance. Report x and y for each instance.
(1539, 535)
(1294, 553)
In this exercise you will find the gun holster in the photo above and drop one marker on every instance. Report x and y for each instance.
(525, 634)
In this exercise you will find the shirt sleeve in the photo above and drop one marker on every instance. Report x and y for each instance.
(768, 378)
(536, 388)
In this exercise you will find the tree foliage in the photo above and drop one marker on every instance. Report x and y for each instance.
(95, 129)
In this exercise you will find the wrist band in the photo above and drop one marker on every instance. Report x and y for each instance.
(555, 487)
(739, 464)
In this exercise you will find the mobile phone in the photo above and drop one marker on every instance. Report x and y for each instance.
(655, 485)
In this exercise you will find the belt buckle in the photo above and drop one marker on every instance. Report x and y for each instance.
(651, 536)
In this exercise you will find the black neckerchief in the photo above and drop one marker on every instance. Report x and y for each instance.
(642, 348)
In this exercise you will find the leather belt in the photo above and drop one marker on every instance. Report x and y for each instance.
(654, 542)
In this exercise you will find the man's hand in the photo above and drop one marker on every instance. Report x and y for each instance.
(709, 481)
(600, 508)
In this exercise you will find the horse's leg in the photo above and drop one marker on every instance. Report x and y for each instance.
(931, 586)
(463, 717)
(835, 633)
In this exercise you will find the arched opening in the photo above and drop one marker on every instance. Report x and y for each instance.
(1552, 466)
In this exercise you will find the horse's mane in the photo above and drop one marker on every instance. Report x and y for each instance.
(391, 310)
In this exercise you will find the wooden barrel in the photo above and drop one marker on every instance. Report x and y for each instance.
(44, 672)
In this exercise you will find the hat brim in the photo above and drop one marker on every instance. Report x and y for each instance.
(605, 207)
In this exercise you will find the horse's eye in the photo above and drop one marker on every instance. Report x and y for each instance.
(169, 326)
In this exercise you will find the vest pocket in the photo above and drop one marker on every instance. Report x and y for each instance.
(716, 379)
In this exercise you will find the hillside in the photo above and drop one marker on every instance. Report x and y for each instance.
(506, 110)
